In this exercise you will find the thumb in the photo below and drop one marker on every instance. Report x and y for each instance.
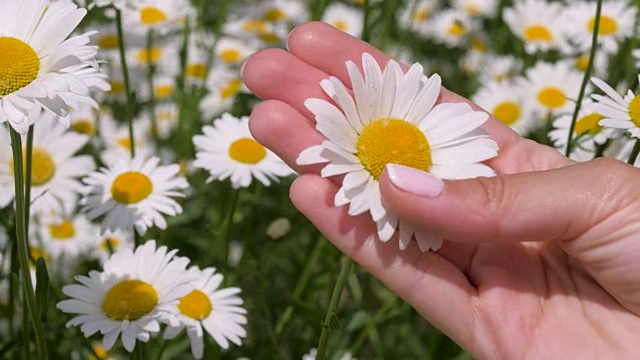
(555, 204)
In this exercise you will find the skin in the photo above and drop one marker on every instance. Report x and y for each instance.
(539, 262)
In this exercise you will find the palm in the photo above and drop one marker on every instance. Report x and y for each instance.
(506, 299)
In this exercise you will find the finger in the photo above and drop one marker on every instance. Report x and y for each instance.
(549, 205)
(286, 131)
(434, 286)
(276, 74)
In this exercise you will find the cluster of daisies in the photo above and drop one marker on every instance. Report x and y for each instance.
(100, 181)
(531, 79)
(97, 183)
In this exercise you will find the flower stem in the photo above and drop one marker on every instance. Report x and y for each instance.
(23, 246)
(634, 153)
(228, 223)
(347, 263)
(127, 86)
(152, 95)
(585, 78)
(365, 21)
(307, 272)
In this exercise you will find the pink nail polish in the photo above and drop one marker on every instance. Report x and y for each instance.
(415, 181)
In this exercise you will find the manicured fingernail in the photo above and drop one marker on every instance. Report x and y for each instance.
(415, 181)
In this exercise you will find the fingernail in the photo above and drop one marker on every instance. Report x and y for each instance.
(415, 181)
(244, 63)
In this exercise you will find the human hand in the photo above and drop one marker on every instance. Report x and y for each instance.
(541, 261)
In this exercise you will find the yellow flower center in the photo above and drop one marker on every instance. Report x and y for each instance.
(274, 15)
(270, 37)
(38, 252)
(83, 126)
(588, 124)
(478, 44)
(507, 112)
(131, 187)
(254, 26)
(164, 91)
(150, 15)
(125, 142)
(456, 29)
(62, 231)
(195, 305)
(145, 56)
(582, 62)
(394, 141)
(421, 15)
(473, 10)
(117, 87)
(42, 166)
(232, 88)
(108, 42)
(19, 65)
(230, 56)
(552, 97)
(608, 25)
(634, 110)
(538, 33)
(197, 70)
(109, 242)
(129, 300)
(340, 24)
(247, 151)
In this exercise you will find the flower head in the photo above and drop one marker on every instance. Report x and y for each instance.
(217, 311)
(393, 118)
(227, 150)
(135, 292)
(134, 192)
(38, 67)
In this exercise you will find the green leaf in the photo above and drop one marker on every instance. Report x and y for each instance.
(42, 288)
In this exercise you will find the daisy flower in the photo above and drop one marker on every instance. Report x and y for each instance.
(159, 15)
(418, 14)
(83, 120)
(538, 23)
(616, 23)
(344, 17)
(450, 27)
(55, 187)
(228, 150)
(618, 112)
(131, 297)
(110, 243)
(587, 133)
(550, 87)
(38, 67)
(477, 8)
(136, 192)
(224, 84)
(217, 311)
(66, 237)
(232, 51)
(392, 118)
(506, 102)
(116, 140)
(284, 11)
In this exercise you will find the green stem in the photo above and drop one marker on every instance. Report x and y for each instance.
(23, 246)
(228, 223)
(152, 94)
(27, 178)
(634, 153)
(307, 272)
(347, 263)
(585, 78)
(365, 21)
(127, 85)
